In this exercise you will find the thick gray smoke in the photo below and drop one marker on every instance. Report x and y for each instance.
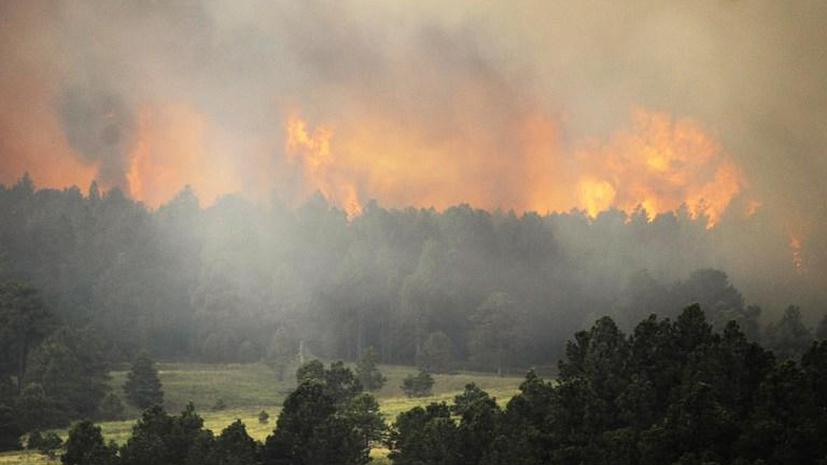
(100, 126)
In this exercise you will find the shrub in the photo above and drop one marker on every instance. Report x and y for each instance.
(418, 385)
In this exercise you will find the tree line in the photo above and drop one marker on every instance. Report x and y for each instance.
(462, 288)
(671, 392)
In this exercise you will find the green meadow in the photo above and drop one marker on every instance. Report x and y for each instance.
(247, 389)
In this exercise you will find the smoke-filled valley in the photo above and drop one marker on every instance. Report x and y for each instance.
(383, 222)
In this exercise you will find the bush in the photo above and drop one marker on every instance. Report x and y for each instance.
(47, 444)
(263, 417)
(219, 404)
(418, 385)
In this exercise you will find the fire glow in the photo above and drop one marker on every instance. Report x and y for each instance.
(657, 163)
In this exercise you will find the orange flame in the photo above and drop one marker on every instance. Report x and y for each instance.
(171, 151)
(311, 151)
(658, 163)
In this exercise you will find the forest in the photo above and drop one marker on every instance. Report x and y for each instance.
(95, 280)
(240, 282)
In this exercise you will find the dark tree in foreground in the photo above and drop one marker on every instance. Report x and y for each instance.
(235, 447)
(671, 393)
(418, 385)
(309, 431)
(143, 387)
(85, 446)
(367, 370)
(326, 420)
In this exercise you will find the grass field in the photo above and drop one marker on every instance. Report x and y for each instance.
(247, 389)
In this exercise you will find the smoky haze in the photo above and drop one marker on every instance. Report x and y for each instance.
(529, 106)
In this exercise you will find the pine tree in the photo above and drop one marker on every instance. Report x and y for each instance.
(368, 372)
(85, 446)
(143, 388)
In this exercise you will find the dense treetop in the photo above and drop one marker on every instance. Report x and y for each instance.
(240, 282)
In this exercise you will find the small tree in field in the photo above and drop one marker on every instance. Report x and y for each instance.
(143, 388)
(418, 385)
(47, 444)
(368, 372)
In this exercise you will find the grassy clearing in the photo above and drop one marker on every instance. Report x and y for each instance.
(247, 389)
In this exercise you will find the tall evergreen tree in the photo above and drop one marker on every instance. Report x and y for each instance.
(368, 372)
(143, 387)
(24, 322)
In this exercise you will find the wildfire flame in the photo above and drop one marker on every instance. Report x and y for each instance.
(311, 151)
(658, 163)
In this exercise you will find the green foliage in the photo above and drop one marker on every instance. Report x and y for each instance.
(143, 387)
(364, 414)
(235, 447)
(418, 385)
(327, 419)
(311, 371)
(158, 438)
(24, 322)
(37, 411)
(217, 283)
(492, 336)
(47, 444)
(437, 353)
(309, 430)
(367, 371)
(674, 392)
(424, 436)
(338, 381)
(72, 369)
(85, 446)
